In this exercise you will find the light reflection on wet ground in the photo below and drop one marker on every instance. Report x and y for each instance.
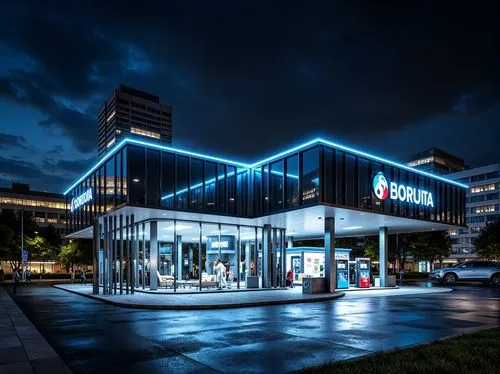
(93, 337)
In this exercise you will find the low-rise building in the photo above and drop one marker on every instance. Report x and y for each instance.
(482, 206)
(47, 209)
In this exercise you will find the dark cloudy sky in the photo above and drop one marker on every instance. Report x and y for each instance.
(246, 79)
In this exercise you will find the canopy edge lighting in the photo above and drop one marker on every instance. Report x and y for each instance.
(263, 161)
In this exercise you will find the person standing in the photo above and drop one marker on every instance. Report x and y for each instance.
(28, 274)
(289, 278)
(83, 278)
(15, 280)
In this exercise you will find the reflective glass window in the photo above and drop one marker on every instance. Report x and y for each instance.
(340, 185)
(231, 189)
(167, 180)
(276, 186)
(350, 175)
(310, 176)
(196, 184)
(328, 184)
(137, 174)
(292, 181)
(181, 190)
(365, 184)
(221, 188)
(153, 177)
(210, 183)
(110, 183)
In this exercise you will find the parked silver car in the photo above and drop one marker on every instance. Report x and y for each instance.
(475, 270)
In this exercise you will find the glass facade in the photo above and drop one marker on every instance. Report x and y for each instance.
(138, 175)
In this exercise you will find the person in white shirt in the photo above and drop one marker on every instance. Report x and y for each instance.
(221, 274)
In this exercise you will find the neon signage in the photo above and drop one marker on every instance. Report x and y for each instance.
(79, 201)
(383, 189)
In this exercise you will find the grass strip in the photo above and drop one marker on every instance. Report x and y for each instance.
(471, 353)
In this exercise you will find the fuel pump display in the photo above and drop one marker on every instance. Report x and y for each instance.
(342, 268)
(363, 272)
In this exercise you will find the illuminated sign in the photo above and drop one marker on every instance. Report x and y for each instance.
(81, 200)
(221, 244)
(383, 189)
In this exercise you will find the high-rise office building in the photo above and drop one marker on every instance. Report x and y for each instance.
(435, 161)
(482, 206)
(132, 113)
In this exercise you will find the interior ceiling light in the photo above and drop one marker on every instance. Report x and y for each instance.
(353, 228)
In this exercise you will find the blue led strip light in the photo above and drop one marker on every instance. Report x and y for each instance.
(151, 145)
(355, 151)
(264, 161)
(220, 177)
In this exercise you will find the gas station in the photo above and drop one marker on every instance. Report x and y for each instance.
(163, 218)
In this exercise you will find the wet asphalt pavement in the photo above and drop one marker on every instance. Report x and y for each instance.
(93, 337)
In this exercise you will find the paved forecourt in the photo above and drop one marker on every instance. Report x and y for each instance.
(224, 300)
(96, 337)
(23, 349)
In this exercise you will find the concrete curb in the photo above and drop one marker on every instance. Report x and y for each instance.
(206, 306)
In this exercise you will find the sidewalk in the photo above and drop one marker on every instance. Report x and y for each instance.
(225, 300)
(23, 349)
(202, 300)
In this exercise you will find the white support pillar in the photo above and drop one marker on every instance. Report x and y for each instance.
(110, 255)
(383, 254)
(200, 243)
(127, 253)
(330, 254)
(178, 267)
(248, 258)
(153, 255)
(97, 238)
(266, 257)
(105, 256)
(120, 278)
(134, 229)
(274, 267)
(143, 255)
(115, 253)
(283, 258)
(290, 242)
(238, 259)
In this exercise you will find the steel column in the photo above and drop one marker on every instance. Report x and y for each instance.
(274, 267)
(383, 255)
(200, 242)
(115, 250)
(238, 258)
(330, 254)
(121, 255)
(153, 255)
(131, 254)
(105, 256)
(127, 253)
(143, 255)
(266, 257)
(95, 255)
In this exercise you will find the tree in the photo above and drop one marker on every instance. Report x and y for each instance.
(488, 242)
(76, 253)
(51, 236)
(10, 235)
(431, 246)
(400, 246)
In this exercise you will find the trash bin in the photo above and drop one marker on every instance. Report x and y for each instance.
(252, 281)
(313, 285)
